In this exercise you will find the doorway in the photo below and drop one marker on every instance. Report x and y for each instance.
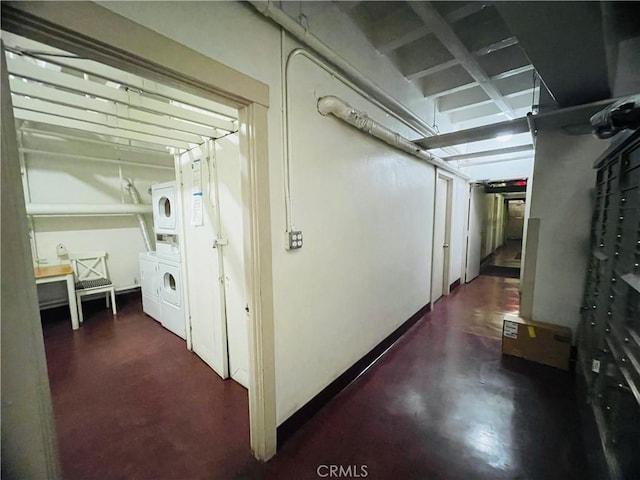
(441, 236)
(82, 145)
(178, 65)
(503, 227)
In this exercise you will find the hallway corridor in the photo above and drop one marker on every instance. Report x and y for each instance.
(441, 404)
(506, 260)
(444, 403)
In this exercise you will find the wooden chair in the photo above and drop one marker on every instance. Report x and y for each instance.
(91, 276)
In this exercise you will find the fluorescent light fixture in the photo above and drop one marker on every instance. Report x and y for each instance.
(504, 138)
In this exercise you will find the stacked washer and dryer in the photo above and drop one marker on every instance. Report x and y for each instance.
(161, 271)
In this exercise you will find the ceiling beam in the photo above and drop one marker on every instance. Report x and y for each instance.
(61, 58)
(22, 68)
(89, 158)
(441, 29)
(489, 153)
(464, 11)
(434, 69)
(57, 110)
(404, 39)
(500, 76)
(565, 117)
(38, 91)
(486, 132)
(461, 103)
(511, 73)
(39, 117)
(488, 161)
(119, 143)
(494, 47)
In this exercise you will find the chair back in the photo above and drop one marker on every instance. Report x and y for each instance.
(89, 266)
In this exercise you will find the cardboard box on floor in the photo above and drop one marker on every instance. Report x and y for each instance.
(536, 341)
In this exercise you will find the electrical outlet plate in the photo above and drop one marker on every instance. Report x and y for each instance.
(294, 240)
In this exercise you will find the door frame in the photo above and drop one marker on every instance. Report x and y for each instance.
(87, 29)
(446, 261)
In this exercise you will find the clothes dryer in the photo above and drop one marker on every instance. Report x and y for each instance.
(164, 197)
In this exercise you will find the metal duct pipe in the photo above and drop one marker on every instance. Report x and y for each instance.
(269, 10)
(339, 108)
(127, 184)
(86, 209)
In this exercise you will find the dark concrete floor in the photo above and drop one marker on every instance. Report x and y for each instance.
(131, 402)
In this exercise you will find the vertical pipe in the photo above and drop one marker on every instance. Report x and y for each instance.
(24, 174)
(135, 198)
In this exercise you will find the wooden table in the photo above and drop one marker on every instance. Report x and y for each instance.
(60, 273)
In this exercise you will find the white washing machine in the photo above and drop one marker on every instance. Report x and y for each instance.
(150, 284)
(171, 299)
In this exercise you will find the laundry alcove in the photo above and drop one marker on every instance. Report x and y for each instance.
(108, 162)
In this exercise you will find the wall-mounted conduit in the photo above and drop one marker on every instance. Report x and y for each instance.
(302, 53)
(340, 109)
(341, 70)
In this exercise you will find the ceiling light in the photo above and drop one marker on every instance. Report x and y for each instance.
(504, 138)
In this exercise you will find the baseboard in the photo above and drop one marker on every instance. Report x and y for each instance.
(454, 285)
(313, 406)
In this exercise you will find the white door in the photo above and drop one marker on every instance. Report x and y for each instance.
(488, 227)
(230, 200)
(214, 258)
(440, 267)
(474, 229)
(201, 262)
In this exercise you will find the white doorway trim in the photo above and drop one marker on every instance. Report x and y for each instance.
(95, 32)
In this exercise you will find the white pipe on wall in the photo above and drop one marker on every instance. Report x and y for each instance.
(269, 10)
(86, 209)
(127, 184)
(339, 108)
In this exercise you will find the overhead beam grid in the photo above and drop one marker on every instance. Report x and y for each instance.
(443, 31)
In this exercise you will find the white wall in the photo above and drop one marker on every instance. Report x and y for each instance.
(69, 180)
(365, 209)
(366, 213)
(562, 200)
(515, 219)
